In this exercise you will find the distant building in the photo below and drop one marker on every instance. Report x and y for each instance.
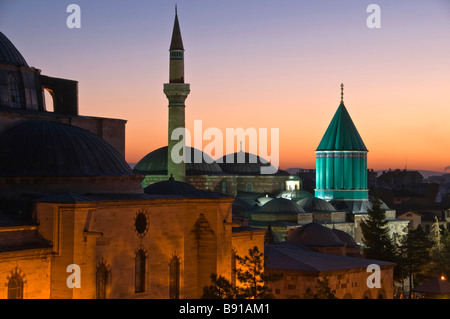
(314, 252)
(399, 179)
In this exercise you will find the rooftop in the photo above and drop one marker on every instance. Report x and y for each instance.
(341, 134)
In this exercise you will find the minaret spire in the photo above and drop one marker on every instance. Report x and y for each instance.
(342, 93)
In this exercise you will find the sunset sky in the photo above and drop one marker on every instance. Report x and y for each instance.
(256, 64)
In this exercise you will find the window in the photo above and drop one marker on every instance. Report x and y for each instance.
(15, 287)
(14, 92)
(141, 223)
(175, 278)
(101, 281)
(49, 96)
(249, 187)
(140, 271)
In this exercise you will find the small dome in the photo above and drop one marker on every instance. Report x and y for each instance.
(242, 163)
(242, 206)
(9, 54)
(295, 194)
(281, 205)
(271, 237)
(315, 204)
(50, 149)
(173, 187)
(314, 234)
(155, 163)
(170, 187)
(263, 200)
(345, 237)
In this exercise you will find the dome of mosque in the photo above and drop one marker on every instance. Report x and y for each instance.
(315, 204)
(280, 205)
(52, 149)
(155, 163)
(242, 163)
(9, 54)
(345, 237)
(295, 194)
(179, 189)
(314, 234)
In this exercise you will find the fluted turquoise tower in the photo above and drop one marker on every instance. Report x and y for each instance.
(341, 160)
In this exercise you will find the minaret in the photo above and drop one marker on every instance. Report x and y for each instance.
(341, 160)
(176, 91)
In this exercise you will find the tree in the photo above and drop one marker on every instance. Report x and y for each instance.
(375, 233)
(252, 277)
(413, 253)
(323, 291)
(439, 256)
(220, 288)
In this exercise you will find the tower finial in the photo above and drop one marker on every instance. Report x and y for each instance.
(342, 92)
(176, 11)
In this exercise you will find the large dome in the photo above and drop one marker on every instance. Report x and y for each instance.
(155, 163)
(9, 54)
(242, 163)
(38, 148)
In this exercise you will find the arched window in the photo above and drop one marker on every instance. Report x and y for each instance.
(15, 287)
(140, 271)
(14, 93)
(249, 187)
(49, 99)
(101, 281)
(175, 277)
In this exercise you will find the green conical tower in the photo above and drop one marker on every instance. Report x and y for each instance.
(341, 160)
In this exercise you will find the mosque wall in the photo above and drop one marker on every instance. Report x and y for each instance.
(197, 232)
(272, 184)
(32, 267)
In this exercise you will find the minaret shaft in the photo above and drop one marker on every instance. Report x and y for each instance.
(176, 92)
